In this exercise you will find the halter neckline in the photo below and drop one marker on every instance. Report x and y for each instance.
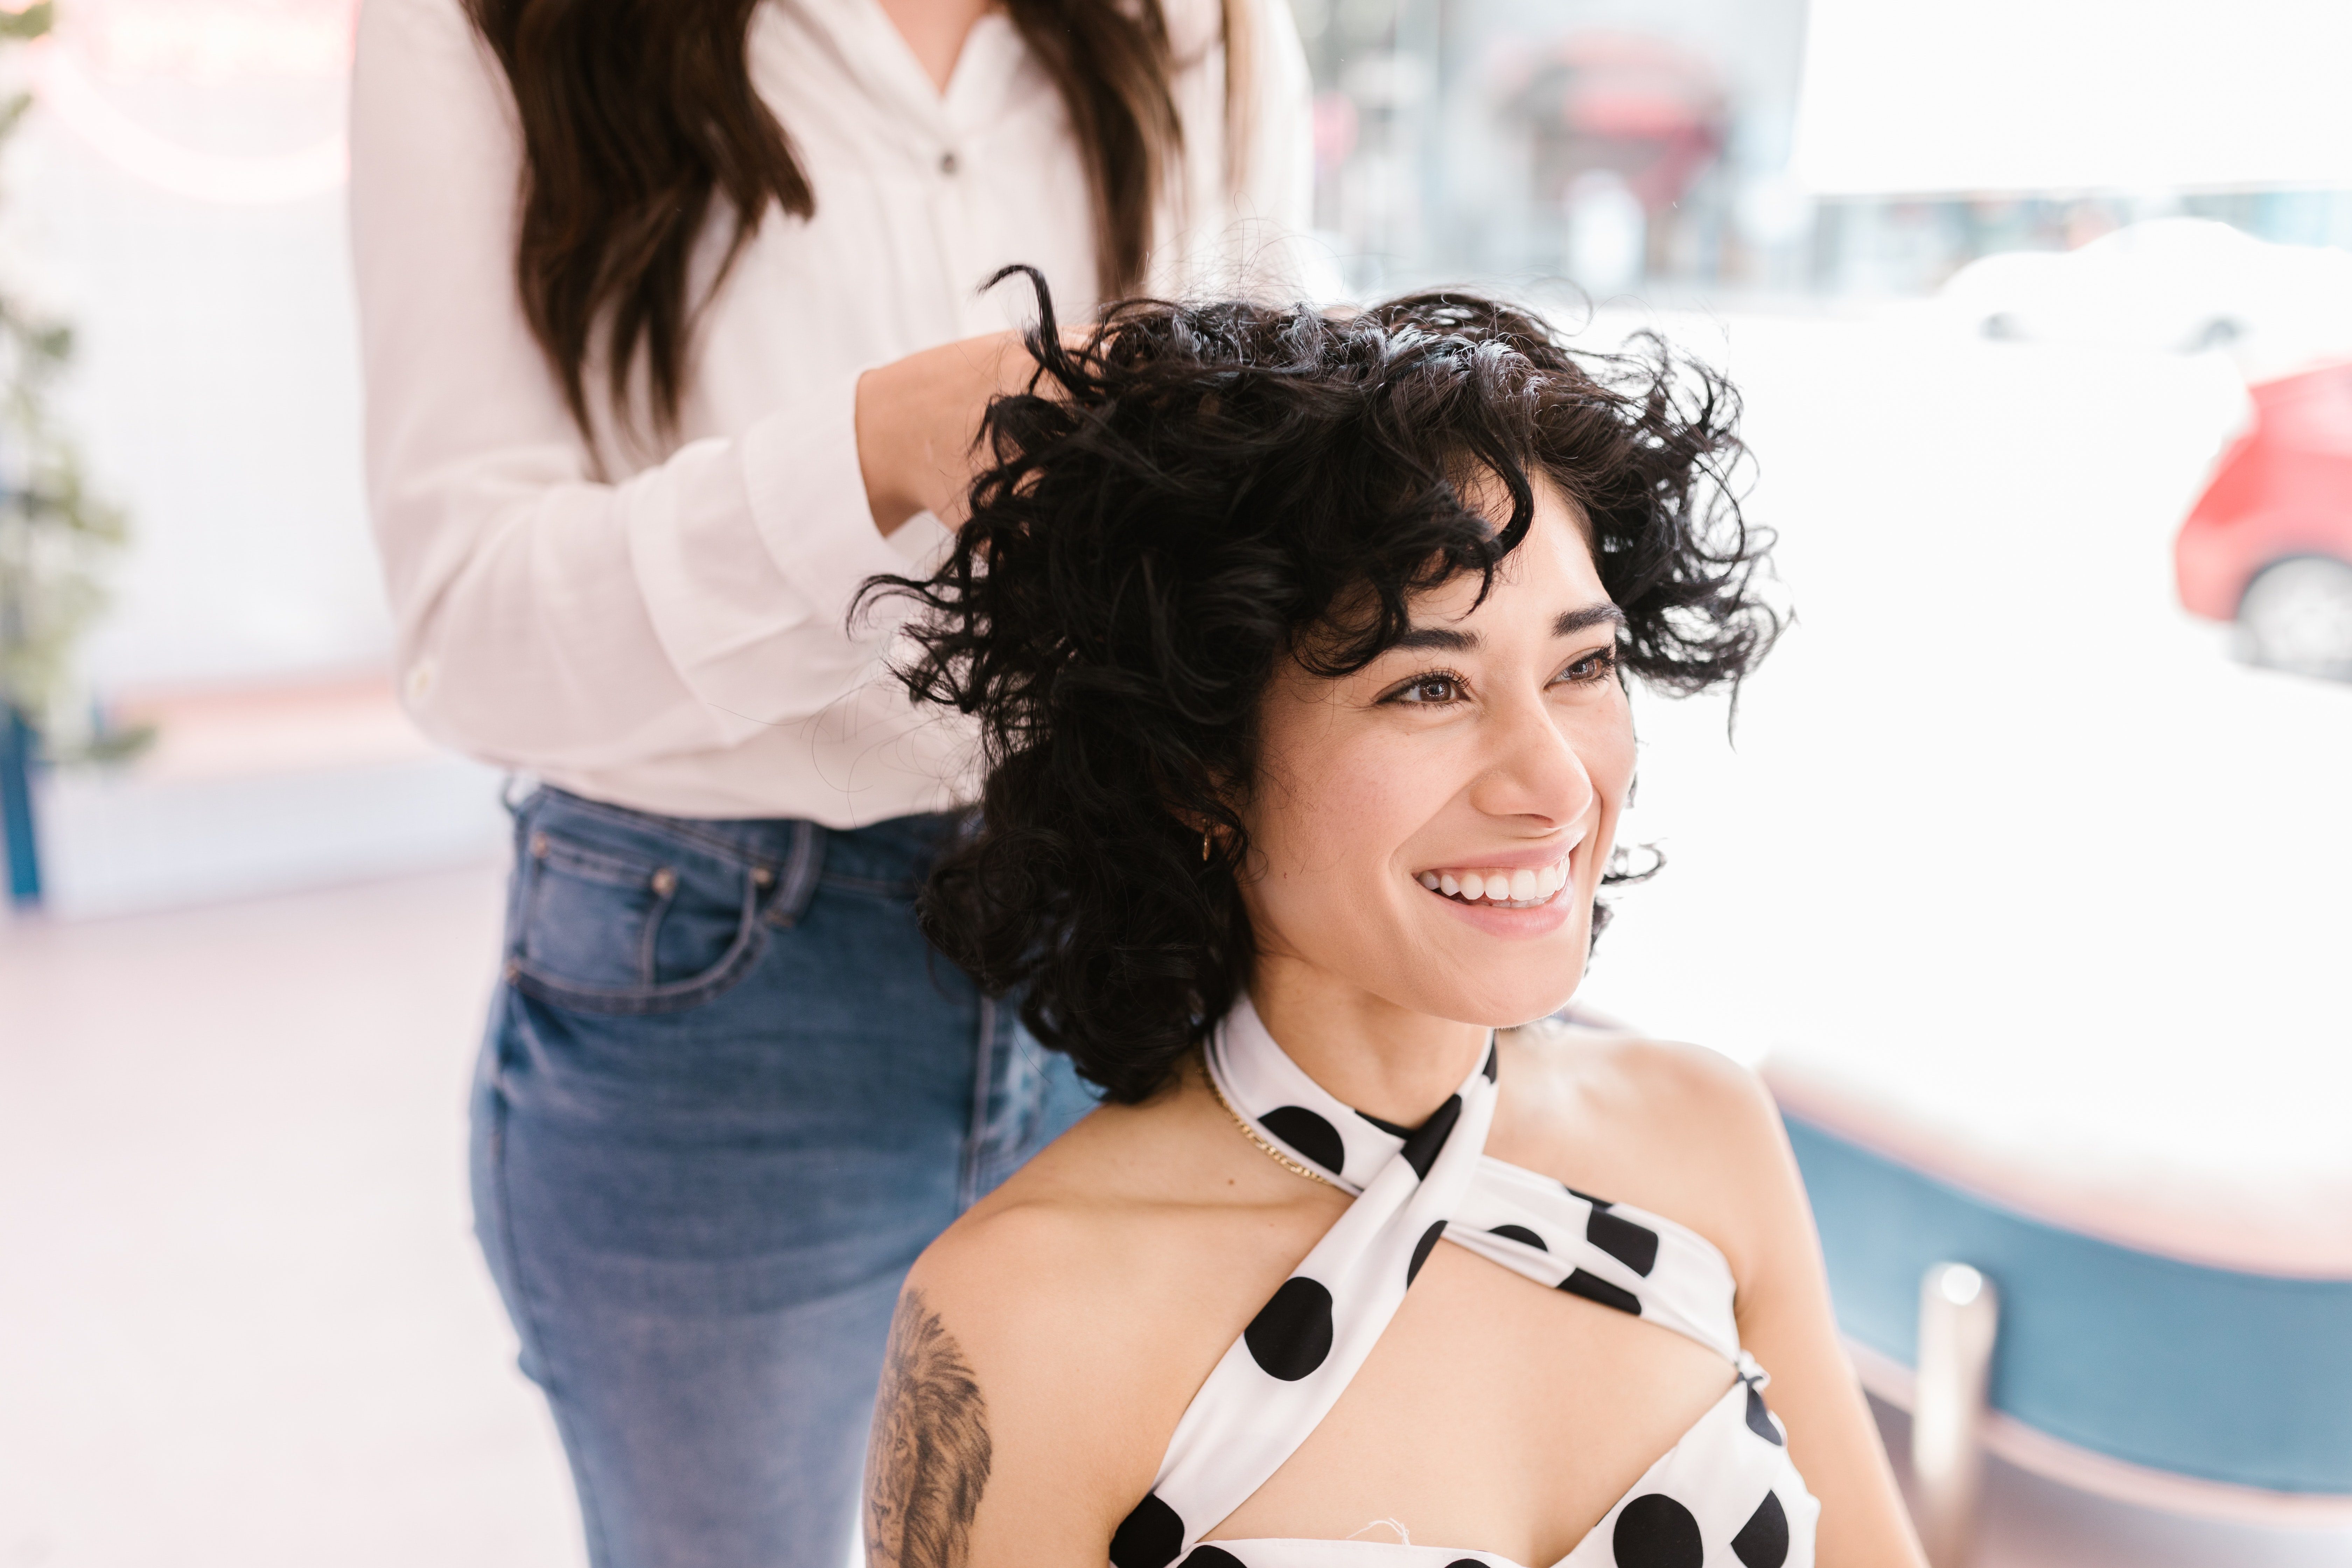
(1728, 1482)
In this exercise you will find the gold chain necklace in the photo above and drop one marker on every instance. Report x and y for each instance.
(1273, 1154)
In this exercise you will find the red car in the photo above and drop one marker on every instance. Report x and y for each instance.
(2269, 542)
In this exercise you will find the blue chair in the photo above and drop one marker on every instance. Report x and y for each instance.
(2113, 1368)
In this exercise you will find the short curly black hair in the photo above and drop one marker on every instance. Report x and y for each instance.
(1204, 489)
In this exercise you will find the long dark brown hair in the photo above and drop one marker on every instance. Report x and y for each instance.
(637, 115)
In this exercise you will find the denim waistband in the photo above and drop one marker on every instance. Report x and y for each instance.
(899, 849)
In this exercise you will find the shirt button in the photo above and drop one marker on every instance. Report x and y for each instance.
(947, 163)
(420, 681)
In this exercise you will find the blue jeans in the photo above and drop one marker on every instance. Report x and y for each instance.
(728, 1093)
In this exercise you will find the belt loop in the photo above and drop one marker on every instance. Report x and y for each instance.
(803, 862)
(518, 802)
(515, 792)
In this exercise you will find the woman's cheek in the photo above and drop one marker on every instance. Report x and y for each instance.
(1610, 756)
(1614, 780)
(1349, 813)
(1344, 854)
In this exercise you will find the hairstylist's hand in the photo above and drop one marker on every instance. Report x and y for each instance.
(917, 418)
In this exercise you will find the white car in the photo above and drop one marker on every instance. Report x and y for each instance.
(2180, 284)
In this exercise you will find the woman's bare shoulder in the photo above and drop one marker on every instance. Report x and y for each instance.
(1059, 1252)
(1047, 1345)
(1071, 1254)
(1021, 1337)
(1665, 1087)
(1694, 1137)
(1679, 1129)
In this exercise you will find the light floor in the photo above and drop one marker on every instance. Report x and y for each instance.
(241, 1318)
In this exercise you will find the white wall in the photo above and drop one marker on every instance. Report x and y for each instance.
(1922, 96)
(216, 389)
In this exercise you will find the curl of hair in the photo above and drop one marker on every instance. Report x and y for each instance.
(1201, 490)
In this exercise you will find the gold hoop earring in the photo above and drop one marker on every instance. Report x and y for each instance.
(1204, 849)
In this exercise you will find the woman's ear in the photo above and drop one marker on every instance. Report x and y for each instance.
(1215, 830)
(1200, 826)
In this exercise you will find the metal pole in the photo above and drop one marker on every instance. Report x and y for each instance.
(16, 809)
(1960, 1317)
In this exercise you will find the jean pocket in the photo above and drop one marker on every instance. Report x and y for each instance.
(630, 928)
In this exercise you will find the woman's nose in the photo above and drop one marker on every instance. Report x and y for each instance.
(1534, 768)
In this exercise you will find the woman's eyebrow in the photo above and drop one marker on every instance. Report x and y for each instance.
(1570, 622)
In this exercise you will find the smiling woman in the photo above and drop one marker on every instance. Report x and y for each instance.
(1300, 646)
(1210, 505)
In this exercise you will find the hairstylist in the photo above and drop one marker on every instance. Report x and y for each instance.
(654, 296)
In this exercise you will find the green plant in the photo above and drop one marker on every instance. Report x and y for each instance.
(55, 536)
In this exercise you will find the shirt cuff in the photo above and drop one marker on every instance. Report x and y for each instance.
(808, 498)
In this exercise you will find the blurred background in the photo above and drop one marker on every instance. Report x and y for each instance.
(2024, 861)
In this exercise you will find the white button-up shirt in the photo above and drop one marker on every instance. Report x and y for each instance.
(667, 629)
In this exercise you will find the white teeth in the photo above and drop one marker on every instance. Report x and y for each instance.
(1517, 889)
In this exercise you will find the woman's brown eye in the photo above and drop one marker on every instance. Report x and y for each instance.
(1591, 668)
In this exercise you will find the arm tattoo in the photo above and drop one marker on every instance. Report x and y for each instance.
(928, 1460)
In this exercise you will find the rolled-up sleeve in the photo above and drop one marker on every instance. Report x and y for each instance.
(548, 618)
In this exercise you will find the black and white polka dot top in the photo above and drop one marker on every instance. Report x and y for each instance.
(1726, 1494)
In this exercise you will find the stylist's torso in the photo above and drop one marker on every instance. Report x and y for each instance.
(674, 641)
